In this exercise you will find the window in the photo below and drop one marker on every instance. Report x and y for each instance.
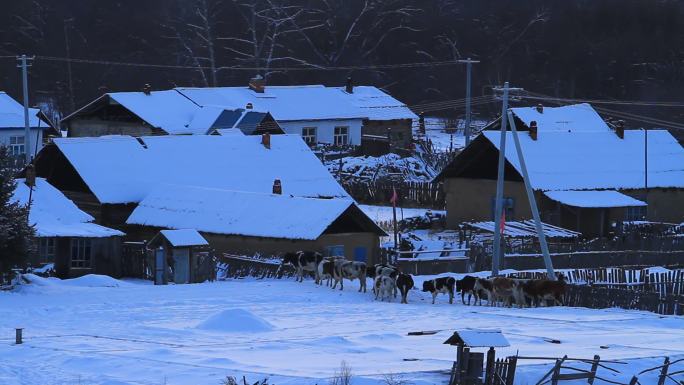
(46, 250)
(335, 251)
(80, 252)
(309, 135)
(636, 213)
(341, 137)
(17, 145)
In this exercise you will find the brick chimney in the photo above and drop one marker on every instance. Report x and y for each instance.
(147, 89)
(421, 123)
(277, 187)
(620, 129)
(249, 106)
(257, 84)
(350, 86)
(540, 108)
(266, 140)
(533, 130)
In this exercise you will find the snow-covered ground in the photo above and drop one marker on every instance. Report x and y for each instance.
(99, 331)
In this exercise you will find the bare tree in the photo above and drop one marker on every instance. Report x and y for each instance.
(343, 376)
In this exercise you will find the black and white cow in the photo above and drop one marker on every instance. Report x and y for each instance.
(467, 285)
(383, 287)
(350, 270)
(303, 261)
(326, 270)
(405, 283)
(383, 270)
(443, 285)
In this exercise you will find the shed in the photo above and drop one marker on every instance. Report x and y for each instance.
(469, 366)
(181, 256)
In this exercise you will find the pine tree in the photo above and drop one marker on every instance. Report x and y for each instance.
(15, 232)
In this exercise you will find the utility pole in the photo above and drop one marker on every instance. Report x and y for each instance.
(67, 25)
(646, 171)
(469, 70)
(24, 64)
(533, 202)
(498, 204)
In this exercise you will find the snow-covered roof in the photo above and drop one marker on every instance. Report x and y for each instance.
(307, 102)
(478, 338)
(593, 198)
(525, 229)
(596, 160)
(238, 213)
(123, 169)
(12, 114)
(184, 237)
(573, 118)
(168, 110)
(54, 215)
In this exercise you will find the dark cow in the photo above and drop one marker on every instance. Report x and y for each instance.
(349, 270)
(467, 285)
(544, 289)
(405, 283)
(444, 285)
(484, 287)
(303, 261)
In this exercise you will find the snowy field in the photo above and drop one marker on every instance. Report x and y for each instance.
(99, 331)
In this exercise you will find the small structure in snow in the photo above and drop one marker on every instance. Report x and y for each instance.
(181, 256)
(469, 366)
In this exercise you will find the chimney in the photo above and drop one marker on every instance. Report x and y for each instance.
(533, 130)
(277, 187)
(540, 108)
(147, 89)
(421, 123)
(249, 106)
(350, 86)
(257, 84)
(620, 129)
(266, 140)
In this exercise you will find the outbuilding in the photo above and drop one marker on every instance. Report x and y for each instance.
(66, 236)
(182, 256)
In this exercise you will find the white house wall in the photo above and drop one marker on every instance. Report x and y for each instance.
(325, 129)
(36, 134)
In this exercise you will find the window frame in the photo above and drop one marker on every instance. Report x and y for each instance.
(341, 139)
(310, 138)
(46, 247)
(17, 145)
(81, 253)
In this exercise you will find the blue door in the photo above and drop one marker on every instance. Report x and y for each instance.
(360, 254)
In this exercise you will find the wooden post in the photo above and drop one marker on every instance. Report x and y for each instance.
(634, 381)
(18, 335)
(663, 371)
(489, 371)
(594, 368)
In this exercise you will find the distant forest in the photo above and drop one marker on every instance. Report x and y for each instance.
(602, 49)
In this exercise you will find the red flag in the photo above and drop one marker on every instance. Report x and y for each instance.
(502, 225)
(394, 198)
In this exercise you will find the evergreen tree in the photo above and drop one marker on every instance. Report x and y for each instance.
(15, 232)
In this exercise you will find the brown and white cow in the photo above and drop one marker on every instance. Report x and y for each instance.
(350, 270)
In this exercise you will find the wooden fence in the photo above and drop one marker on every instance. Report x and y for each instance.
(414, 194)
(237, 266)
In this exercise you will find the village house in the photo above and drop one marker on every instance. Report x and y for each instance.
(245, 194)
(586, 175)
(163, 113)
(330, 115)
(12, 128)
(66, 236)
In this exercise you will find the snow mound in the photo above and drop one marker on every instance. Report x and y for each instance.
(95, 280)
(235, 320)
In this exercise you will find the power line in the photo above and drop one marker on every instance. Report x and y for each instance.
(606, 101)
(312, 67)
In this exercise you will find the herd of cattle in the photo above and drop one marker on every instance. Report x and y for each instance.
(387, 280)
